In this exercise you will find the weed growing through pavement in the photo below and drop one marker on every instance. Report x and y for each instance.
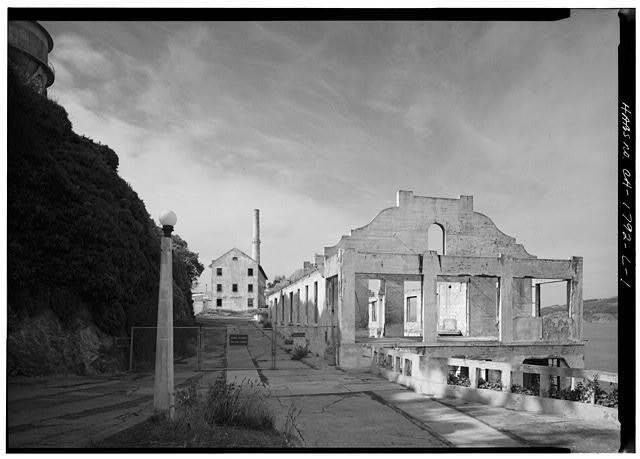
(237, 405)
(299, 352)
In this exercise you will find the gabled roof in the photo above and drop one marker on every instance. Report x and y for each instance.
(240, 252)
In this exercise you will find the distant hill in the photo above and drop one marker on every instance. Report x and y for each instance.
(601, 310)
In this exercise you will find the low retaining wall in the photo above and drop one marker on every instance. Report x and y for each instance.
(429, 376)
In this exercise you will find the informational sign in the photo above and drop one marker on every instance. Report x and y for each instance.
(240, 340)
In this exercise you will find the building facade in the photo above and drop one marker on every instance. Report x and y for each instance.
(299, 305)
(434, 275)
(237, 281)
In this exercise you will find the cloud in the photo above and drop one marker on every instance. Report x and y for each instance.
(319, 124)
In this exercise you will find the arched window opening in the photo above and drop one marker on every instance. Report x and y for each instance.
(435, 238)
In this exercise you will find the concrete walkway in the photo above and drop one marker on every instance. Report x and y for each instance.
(337, 408)
(75, 411)
(320, 404)
(334, 408)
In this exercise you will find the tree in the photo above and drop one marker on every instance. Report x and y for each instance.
(276, 280)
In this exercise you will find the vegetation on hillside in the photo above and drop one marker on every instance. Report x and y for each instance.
(78, 235)
(596, 310)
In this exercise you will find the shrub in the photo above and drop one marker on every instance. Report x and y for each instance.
(482, 384)
(587, 392)
(531, 390)
(187, 401)
(461, 380)
(288, 341)
(299, 352)
(236, 405)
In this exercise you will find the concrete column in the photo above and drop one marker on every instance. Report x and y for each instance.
(430, 269)
(506, 299)
(505, 377)
(544, 385)
(574, 294)
(382, 307)
(537, 301)
(516, 378)
(473, 377)
(346, 296)
(163, 387)
(394, 308)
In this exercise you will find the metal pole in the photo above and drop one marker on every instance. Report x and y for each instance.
(273, 346)
(199, 345)
(131, 350)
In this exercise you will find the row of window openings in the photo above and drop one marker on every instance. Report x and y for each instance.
(234, 288)
(412, 310)
(219, 271)
(249, 302)
(315, 305)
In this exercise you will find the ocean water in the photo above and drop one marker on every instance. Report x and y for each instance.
(601, 349)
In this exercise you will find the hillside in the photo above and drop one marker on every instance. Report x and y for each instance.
(83, 253)
(602, 310)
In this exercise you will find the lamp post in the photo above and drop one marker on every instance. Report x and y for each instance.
(163, 389)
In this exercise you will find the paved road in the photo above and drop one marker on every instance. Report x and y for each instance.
(331, 408)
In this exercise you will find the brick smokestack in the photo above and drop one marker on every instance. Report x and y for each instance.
(255, 244)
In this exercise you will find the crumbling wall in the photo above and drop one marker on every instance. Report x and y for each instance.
(522, 299)
(394, 308)
(483, 301)
(557, 327)
(404, 228)
(362, 303)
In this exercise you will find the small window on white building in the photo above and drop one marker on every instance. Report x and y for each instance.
(219, 302)
(234, 287)
(249, 302)
(218, 271)
(250, 288)
(374, 306)
(249, 271)
(218, 287)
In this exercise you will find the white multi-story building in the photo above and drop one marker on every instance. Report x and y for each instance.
(237, 280)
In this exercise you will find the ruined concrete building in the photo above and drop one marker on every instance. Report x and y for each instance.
(29, 48)
(432, 275)
(238, 280)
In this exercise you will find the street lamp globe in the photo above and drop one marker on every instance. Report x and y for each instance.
(168, 218)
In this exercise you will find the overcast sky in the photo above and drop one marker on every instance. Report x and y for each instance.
(318, 124)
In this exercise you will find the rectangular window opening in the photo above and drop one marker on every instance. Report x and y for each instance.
(306, 303)
(412, 309)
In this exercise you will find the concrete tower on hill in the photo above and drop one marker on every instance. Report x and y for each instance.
(29, 48)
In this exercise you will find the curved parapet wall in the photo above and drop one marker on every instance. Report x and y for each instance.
(404, 229)
(29, 47)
